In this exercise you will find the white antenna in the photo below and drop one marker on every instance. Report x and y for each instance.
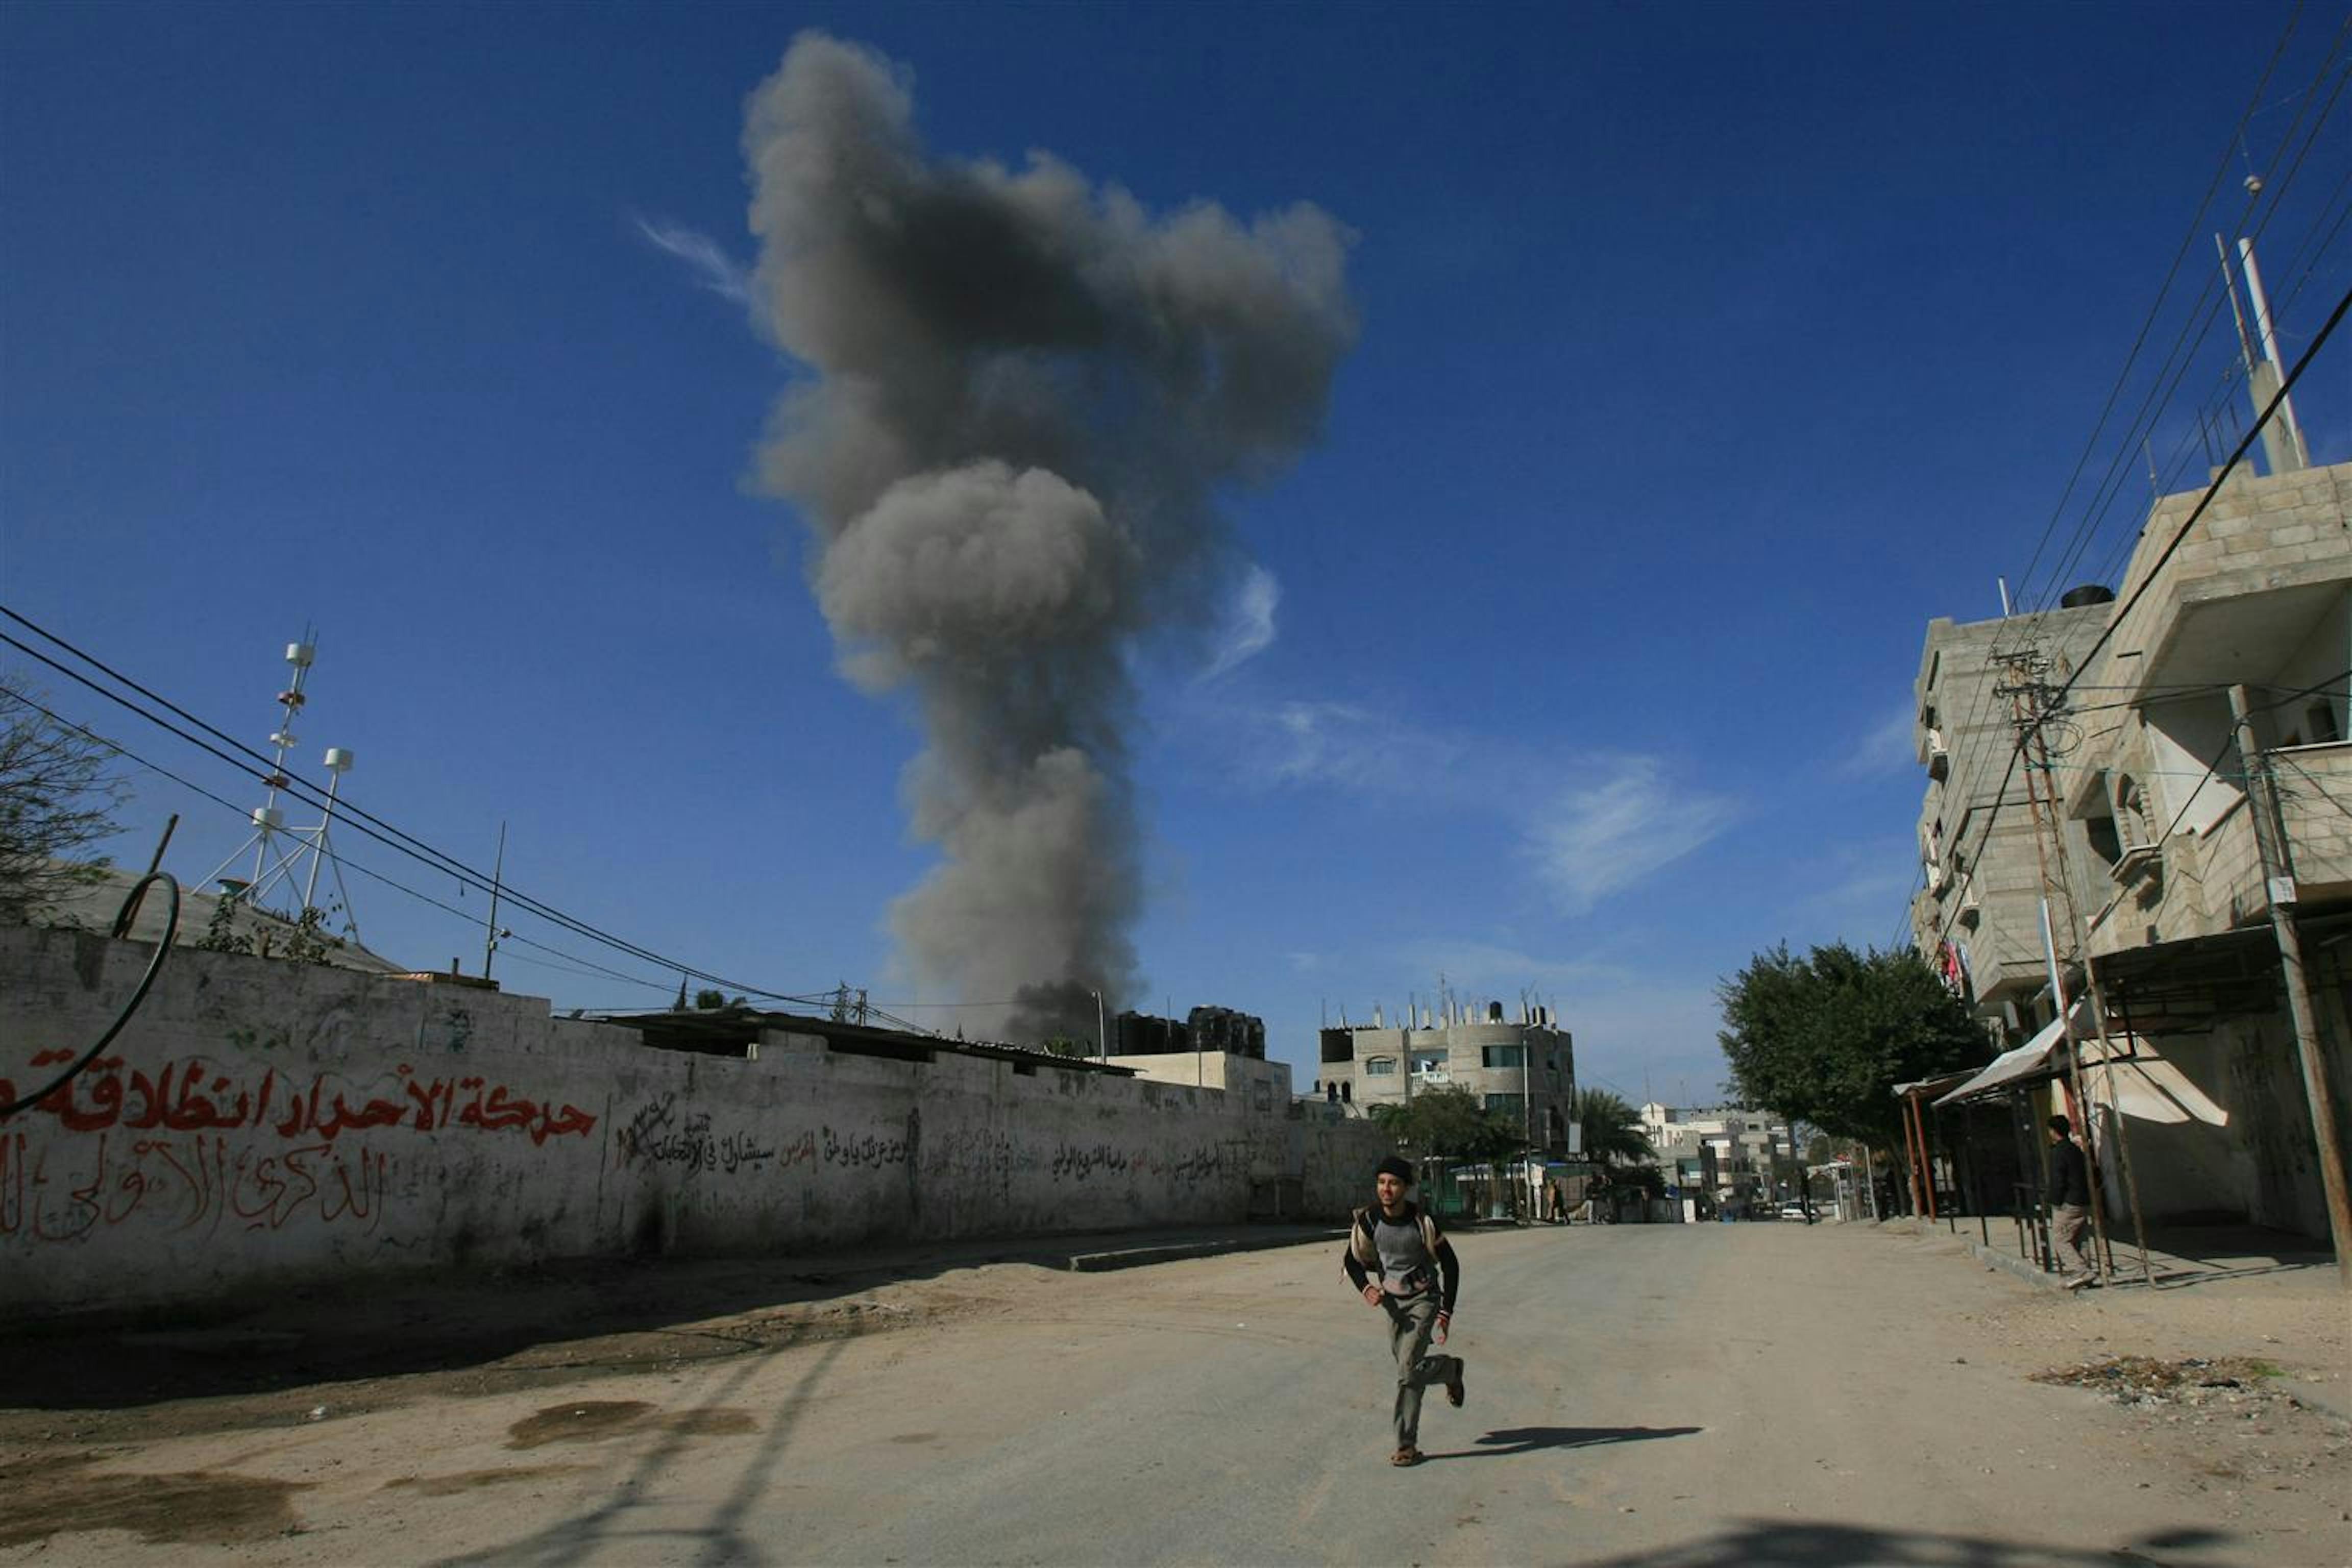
(278, 851)
(2297, 454)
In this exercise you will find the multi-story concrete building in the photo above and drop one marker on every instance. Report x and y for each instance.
(2161, 882)
(1523, 1070)
(1977, 913)
(1722, 1153)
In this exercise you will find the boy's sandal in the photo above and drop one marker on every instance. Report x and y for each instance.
(1405, 1456)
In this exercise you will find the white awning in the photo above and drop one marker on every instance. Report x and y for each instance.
(2133, 1079)
(2023, 1062)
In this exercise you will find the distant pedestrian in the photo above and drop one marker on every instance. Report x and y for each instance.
(2070, 1206)
(1400, 1262)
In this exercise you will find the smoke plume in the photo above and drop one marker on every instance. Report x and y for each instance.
(1023, 393)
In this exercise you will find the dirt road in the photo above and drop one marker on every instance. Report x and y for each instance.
(1664, 1396)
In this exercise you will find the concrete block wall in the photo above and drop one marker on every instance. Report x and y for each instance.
(2260, 534)
(260, 1123)
(1958, 679)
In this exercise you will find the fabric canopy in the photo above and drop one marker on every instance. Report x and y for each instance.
(2135, 1079)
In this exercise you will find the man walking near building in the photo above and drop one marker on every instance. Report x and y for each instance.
(1398, 1261)
(2070, 1206)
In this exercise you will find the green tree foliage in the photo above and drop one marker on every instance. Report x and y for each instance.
(56, 800)
(1450, 1123)
(1613, 1134)
(268, 934)
(1069, 1046)
(1825, 1038)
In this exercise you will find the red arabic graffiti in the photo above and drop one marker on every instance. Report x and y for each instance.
(205, 1099)
(58, 1192)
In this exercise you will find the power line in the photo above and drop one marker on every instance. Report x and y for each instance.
(2188, 241)
(365, 822)
(116, 748)
(2156, 568)
(2081, 535)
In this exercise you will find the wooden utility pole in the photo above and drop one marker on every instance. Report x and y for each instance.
(2026, 669)
(2279, 892)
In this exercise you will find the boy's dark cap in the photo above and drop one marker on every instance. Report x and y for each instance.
(1394, 1166)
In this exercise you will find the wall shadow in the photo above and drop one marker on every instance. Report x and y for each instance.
(619, 1314)
(1783, 1543)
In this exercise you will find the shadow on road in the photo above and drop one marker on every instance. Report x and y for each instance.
(1778, 1543)
(616, 1315)
(1528, 1439)
(627, 1519)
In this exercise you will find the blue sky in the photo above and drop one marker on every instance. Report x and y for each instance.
(1704, 354)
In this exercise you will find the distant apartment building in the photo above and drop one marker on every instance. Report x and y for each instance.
(1218, 1029)
(1524, 1069)
(2162, 888)
(1720, 1152)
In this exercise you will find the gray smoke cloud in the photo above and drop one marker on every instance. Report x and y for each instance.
(1024, 393)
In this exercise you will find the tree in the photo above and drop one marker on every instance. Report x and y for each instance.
(1825, 1038)
(1450, 1123)
(56, 800)
(1613, 1134)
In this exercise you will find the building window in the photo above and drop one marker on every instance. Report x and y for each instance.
(1429, 1061)
(1501, 1056)
(1509, 1105)
(1380, 1066)
(1261, 1093)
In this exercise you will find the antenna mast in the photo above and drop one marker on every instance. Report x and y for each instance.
(303, 849)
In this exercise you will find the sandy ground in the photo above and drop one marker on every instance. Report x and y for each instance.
(1660, 1397)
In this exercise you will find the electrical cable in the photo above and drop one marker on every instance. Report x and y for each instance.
(2156, 568)
(2196, 222)
(362, 821)
(139, 994)
(398, 886)
(2273, 184)
(2086, 531)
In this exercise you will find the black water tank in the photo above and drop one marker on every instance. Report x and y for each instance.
(2088, 594)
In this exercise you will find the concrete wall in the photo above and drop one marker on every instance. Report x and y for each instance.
(261, 1123)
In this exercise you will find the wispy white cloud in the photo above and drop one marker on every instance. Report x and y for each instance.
(1496, 969)
(1349, 746)
(1249, 628)
(1597, 838)
(1864, 890)
(712, 268)
(1886, 747)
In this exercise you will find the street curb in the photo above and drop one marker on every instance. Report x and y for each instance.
(2022, 1267)
(1175, 1252)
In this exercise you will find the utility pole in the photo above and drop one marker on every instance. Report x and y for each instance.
(2278, 886)
(490, 931)
(2027, 671)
